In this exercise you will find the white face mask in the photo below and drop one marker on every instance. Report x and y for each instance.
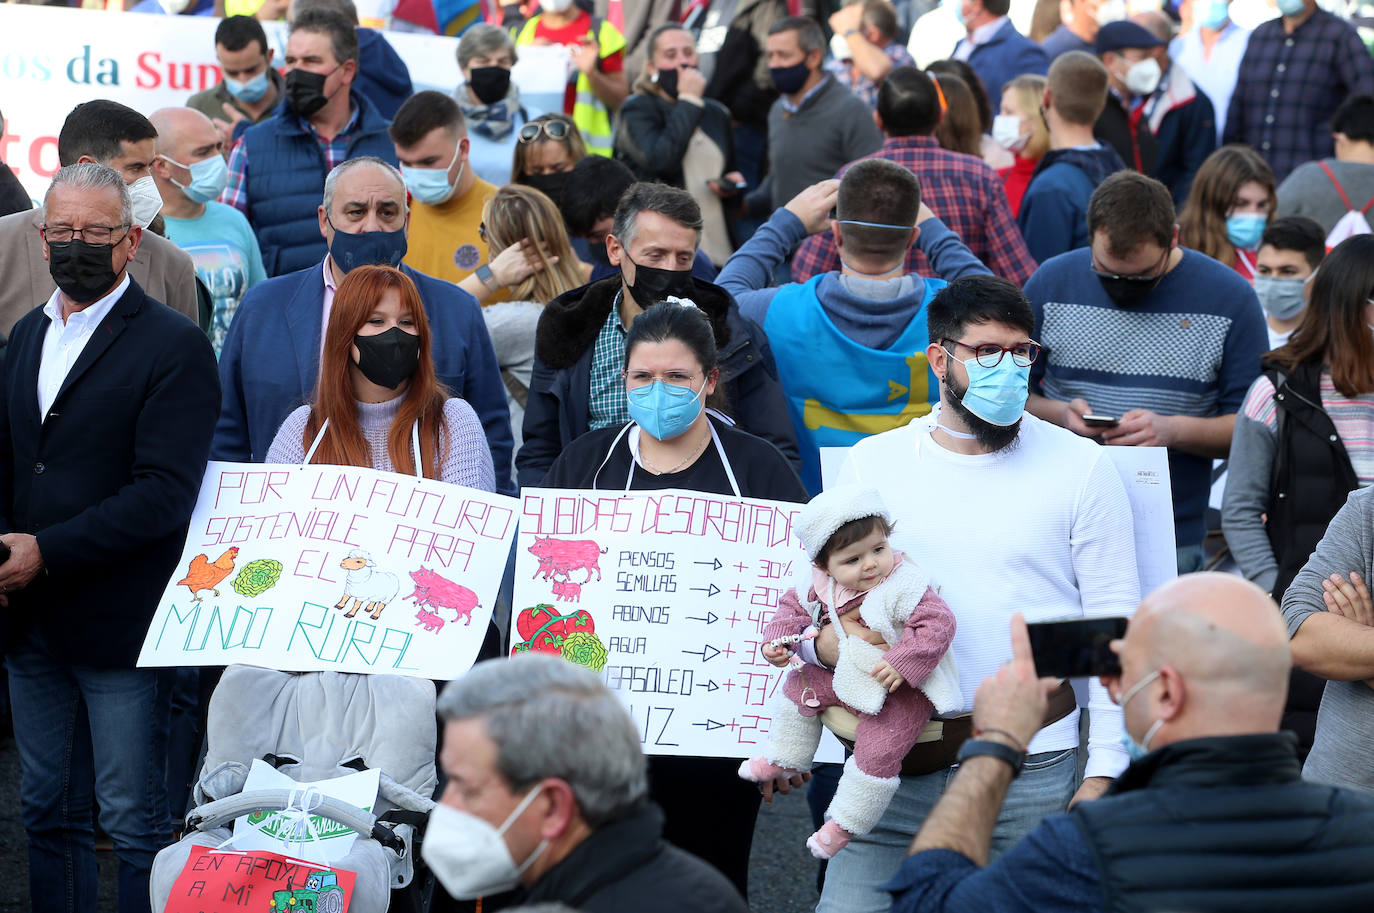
(839, 48)
(469, 856)
(1143, 76)
(1111, 11)
(147, 200)
(555, 6)
(1006, 131)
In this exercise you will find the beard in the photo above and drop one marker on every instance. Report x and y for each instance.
(996, 438)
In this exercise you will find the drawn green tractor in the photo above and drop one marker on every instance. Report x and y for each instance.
(321, 894)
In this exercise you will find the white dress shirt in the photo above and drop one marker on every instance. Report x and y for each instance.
(65, 341)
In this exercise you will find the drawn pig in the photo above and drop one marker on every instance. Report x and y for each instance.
(560, 557)
(442, 593)
(429, 621)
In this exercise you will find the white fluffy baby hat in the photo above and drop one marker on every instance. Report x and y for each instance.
(833, 508)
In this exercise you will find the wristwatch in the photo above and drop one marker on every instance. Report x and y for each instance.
(484, 275)
(975, 747)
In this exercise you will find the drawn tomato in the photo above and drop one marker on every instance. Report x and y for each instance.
(543, 630)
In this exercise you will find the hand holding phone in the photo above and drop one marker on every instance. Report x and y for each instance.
(1078, 648)
(1100, 421)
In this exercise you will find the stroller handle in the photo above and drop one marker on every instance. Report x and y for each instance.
(222, 811)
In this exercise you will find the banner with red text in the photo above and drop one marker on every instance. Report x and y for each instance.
(56, 58)
(333, 568)
(665, 595)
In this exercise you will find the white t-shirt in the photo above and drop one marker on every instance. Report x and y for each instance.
(1043, 529)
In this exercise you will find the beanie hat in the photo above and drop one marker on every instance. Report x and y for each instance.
(833, 508)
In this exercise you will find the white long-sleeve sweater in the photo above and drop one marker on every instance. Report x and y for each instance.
(1043, 529)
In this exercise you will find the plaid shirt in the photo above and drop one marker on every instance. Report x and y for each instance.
(608, 404)
(862, 86)
(1290, 85)
(963, 191)
(335, 151)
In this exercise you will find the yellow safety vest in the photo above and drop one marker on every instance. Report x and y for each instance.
(592, 117)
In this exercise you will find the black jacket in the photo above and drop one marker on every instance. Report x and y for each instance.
(13, 197)
(1225, 824)
(558, 409)
(108, 480)
(654, 133)
(627, 867)
(1129, 136)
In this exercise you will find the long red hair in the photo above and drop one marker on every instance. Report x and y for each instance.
(344, 445)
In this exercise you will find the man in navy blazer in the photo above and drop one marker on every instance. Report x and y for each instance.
(271, 357)
(108, 401)
(994, 48)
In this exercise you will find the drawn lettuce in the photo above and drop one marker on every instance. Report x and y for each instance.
(257, 577)
(585, 649)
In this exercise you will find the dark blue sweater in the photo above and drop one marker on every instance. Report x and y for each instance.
(1054, 211)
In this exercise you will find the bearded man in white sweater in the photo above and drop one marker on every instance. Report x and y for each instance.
(1011, 514)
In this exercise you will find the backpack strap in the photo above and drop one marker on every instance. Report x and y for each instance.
(1340, 191)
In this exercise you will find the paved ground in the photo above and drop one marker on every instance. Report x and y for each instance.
(783, 874)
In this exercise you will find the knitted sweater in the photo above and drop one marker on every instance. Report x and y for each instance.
(466, 461)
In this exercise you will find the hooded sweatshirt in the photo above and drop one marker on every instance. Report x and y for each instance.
(1054, 211)
(382, 74)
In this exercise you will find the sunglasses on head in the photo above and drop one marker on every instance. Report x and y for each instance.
(553, 129)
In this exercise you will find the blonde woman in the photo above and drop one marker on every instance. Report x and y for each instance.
(1020, 129)
(520, 223)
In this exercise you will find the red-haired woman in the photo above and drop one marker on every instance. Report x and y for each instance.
(378, 403)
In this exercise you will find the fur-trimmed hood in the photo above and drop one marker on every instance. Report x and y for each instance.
(571, 322)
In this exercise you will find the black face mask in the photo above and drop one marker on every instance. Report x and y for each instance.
(653, 285)
(388, 359)
(367, 248)
(1129, 291)
(489, 84)
(667, 82)
(551, 185)
(305, 92)
(82, 270)
(789, 80)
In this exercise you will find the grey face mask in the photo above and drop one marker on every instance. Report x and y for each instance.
(1281, 298)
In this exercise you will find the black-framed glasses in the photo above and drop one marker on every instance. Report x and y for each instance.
(94, 234)
(989, 354)
(553, 129)
(1154, 274)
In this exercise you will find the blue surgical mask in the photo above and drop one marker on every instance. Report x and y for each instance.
(1291, 7)
(1213, 15)
(209, 177)
(1244, 229)
(430, 185)
(367, 248)
(664, 411)
(957, 7)
(1281, 298)
(998, 394)
(248, 92)
(1137, 750)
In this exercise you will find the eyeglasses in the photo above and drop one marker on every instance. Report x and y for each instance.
(553, 129)
(1154, 274)
(989, 354)
(95, 234)
(482, 231)
(672, 378)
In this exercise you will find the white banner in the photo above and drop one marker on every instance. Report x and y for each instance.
(56, 58)
(333, 568)
(665, 594)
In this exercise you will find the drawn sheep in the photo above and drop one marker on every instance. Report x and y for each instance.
(369, 589)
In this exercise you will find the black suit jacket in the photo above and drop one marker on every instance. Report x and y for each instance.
(107, 480)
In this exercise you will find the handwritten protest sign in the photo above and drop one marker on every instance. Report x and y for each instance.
(333, 568)
(313, 838)
(231, 882)
(665, 594)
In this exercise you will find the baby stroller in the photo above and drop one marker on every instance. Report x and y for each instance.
(317, 726)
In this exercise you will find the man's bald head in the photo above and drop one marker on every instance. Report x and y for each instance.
(1221, 648)
(1156, 23)
(181, 132)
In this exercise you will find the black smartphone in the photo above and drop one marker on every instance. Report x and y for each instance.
(1100, 421)
(1076, 648)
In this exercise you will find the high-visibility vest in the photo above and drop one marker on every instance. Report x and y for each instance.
(592, 117)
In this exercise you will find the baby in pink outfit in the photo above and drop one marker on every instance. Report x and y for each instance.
(893, 690)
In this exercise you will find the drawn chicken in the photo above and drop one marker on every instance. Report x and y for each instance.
(202, 575)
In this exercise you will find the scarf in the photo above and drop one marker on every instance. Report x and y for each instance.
(495, 120)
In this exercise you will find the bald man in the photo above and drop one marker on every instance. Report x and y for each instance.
(1212, 814)
(190, 173)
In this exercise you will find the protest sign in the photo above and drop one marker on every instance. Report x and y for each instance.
(147, 61)
(333, 568)
(296, 831)
(227, 881)
(665, 595)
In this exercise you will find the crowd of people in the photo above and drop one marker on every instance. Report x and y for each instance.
(751, 231)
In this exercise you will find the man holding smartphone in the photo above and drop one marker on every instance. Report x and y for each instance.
(1012, 514)
(1214, 816)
